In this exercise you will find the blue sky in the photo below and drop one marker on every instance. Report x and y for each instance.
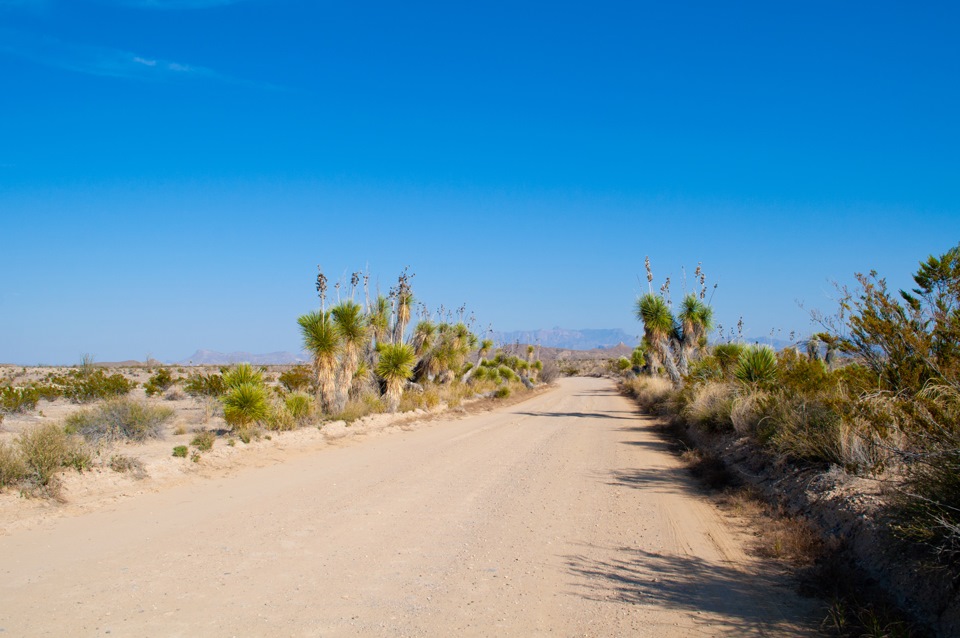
(172, 172)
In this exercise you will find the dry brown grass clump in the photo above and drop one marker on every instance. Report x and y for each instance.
(652, 393)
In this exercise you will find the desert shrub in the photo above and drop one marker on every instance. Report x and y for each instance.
(244, 405)
(46, 449)
(207, 385)
(506, 373)
(757, 365)
(203, 440)
(297, 379)
(549, 373)
(13, 469)
(279, 418)
(622, 364)
(706, 369)
(804, 427)
(371, 403)
(18, 399)
(93, 385)
(300, 406)
(501, 393)
(653, 394)
(120, 419)
(180, 451)
(159, 383)
(727, 356)
(747, 412)
(242, 373)
(123, 464)
(710, 406)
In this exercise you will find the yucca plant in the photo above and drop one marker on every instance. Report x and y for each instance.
(757, 365)
(696, 320)
(244, 405)
(242, 373)
(423, 338)
(395, 367)
(321, 339)
(352, 330)
(658, 324)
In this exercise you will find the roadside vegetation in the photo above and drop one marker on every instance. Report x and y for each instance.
(370, 353)
(874, 395)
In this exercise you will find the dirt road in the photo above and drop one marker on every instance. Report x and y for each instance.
(562, 515)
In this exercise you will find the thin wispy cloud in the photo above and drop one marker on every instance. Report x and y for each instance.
(106, 62)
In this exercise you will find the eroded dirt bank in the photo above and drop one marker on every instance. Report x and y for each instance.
(561, 515)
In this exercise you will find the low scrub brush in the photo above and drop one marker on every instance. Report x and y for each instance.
(119, 420)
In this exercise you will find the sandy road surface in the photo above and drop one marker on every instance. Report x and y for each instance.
(562, 515)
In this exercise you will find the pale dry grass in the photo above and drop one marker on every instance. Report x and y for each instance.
(711, 406)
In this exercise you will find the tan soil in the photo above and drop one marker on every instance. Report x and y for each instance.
(564, 514)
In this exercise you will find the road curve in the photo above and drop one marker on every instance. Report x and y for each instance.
(563, 515)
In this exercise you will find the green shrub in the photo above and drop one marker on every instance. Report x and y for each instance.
(623, 364)
(159, 383)
(207, 385)
(501, 393)
(18, 399)
(300, 406)
(706, 369)
(297, 379)
(242, 374)
(727, 356)
(244, 405)
(757, 365)
(180, 451)
(45, 450)
(84, 387)
(203, 441)
(13, 469)
(120, 419)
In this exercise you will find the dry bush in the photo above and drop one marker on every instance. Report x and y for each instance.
(128, 465)
(790, 539)
(45, 450)
(747, 412)
(120, 420)
(550, 372)
(710, 406)
(654, 394)
(300, 407)
(13, 469)
(366, 405)
(203, 440)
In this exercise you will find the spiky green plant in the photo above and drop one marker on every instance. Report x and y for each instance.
(484, 348)
(424, 336)
(696, 319)
(352, 329)
(658, 324)
(244, 405)
(242, 373)
(757, 365)
(638, 357)
(321, 340)
(395, 367)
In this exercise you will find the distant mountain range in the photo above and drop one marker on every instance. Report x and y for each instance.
(587, 339)
(213, 358)
(555, 338)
